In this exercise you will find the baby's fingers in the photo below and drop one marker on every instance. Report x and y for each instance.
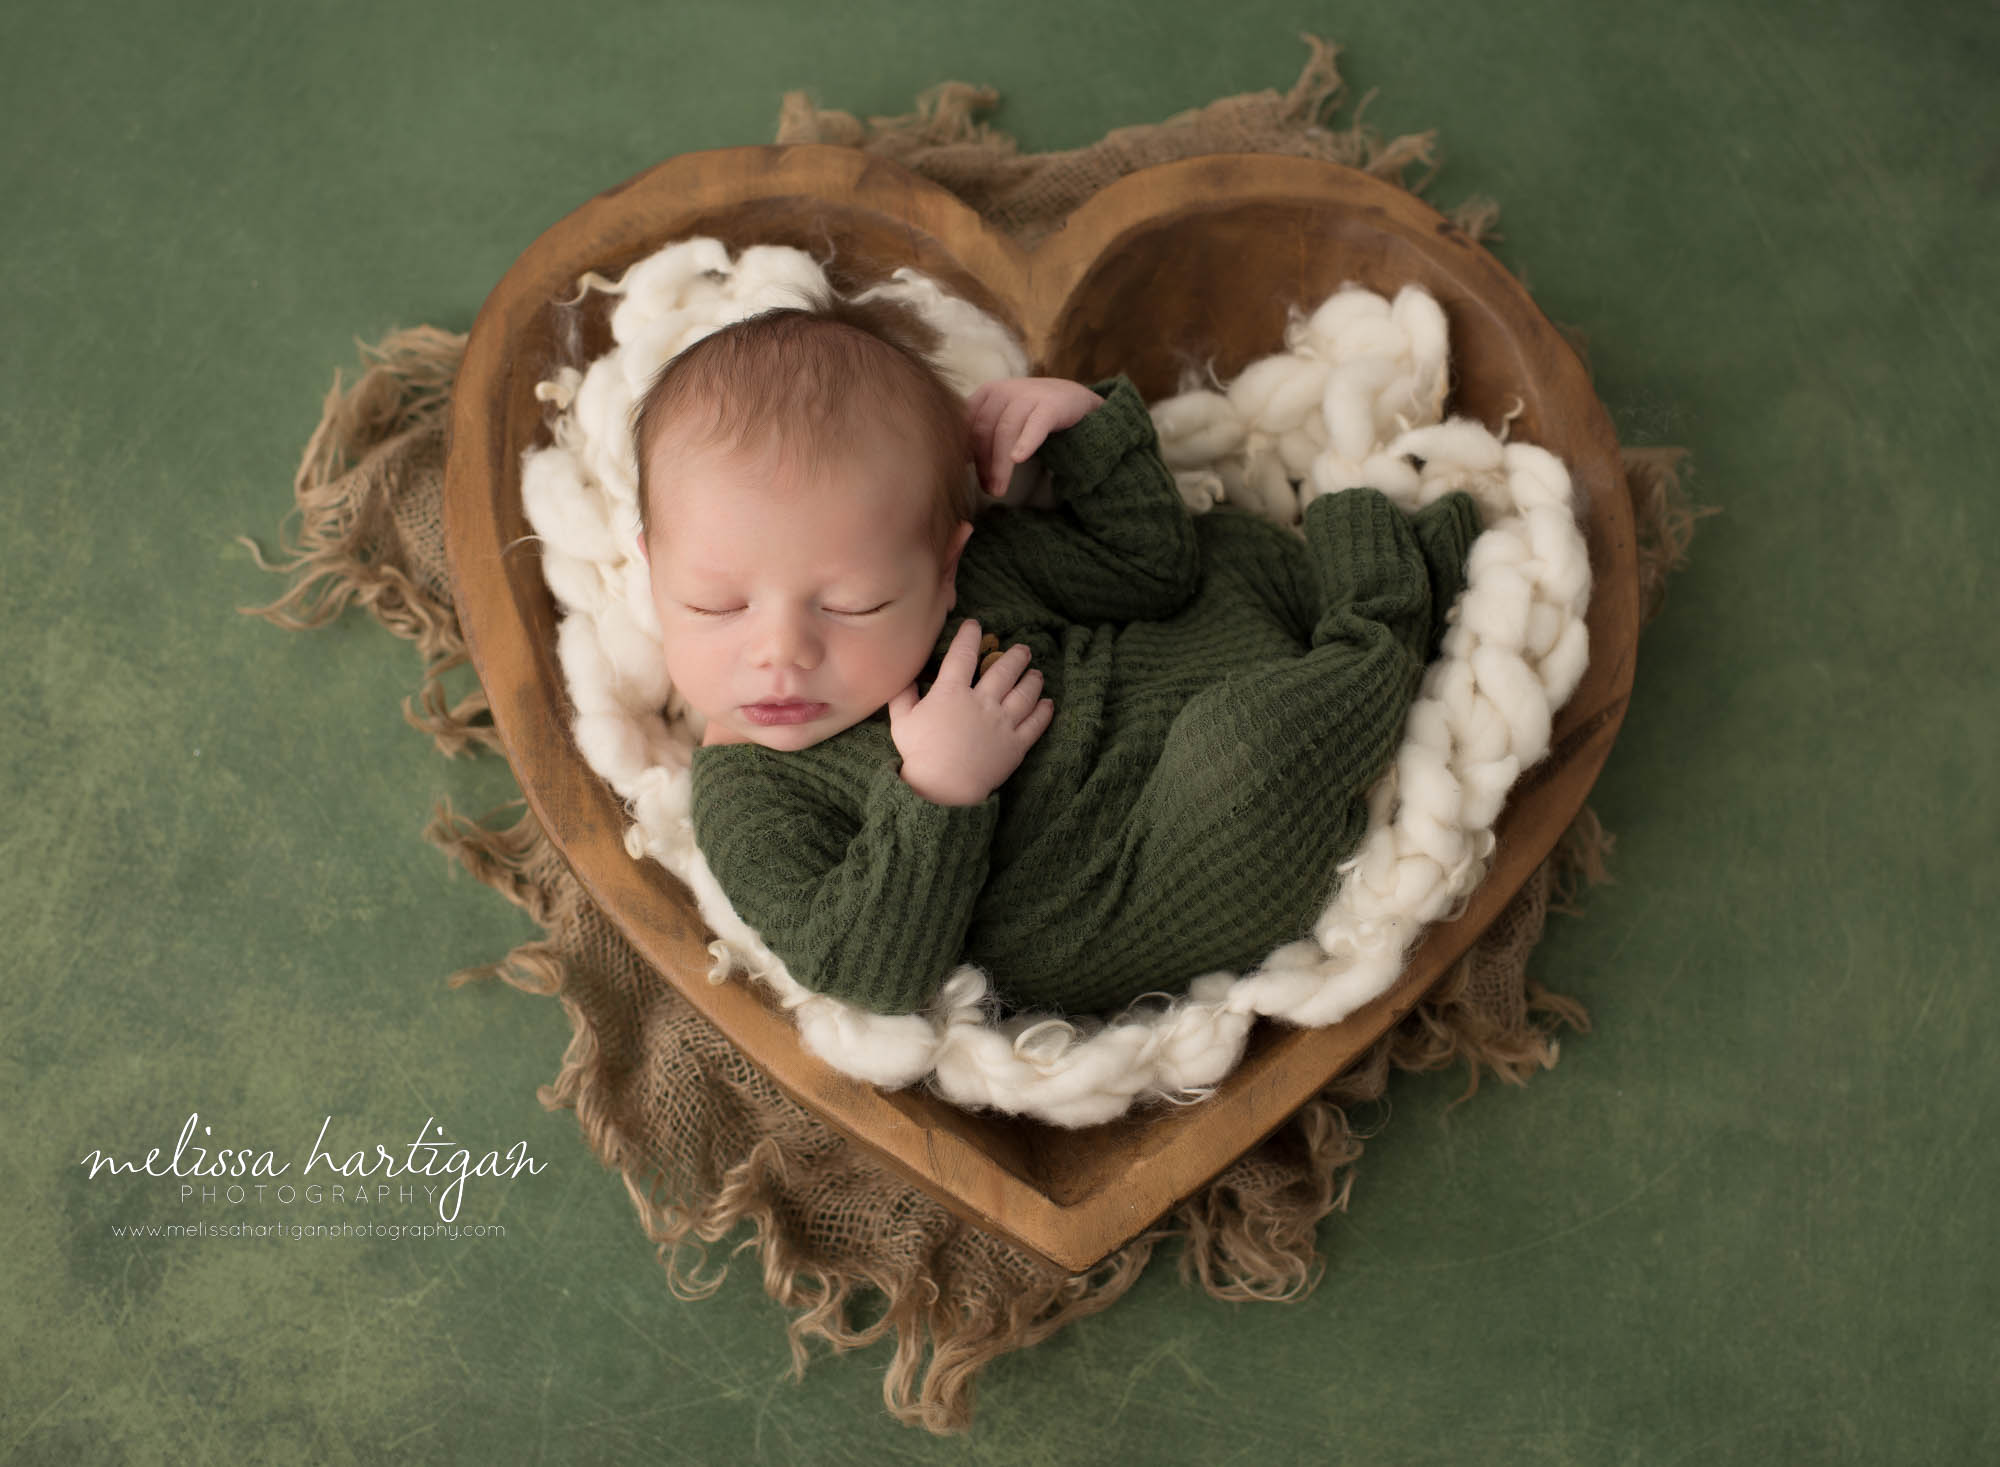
(999, 467)
(1037, 722)
(1005, 671)
(961, 658)
(1034, 430)
(1014, 437)
(1020, 702)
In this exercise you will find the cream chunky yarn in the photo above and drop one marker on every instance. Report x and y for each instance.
(1355, 398)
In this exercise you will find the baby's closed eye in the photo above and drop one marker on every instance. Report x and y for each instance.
(830, 610)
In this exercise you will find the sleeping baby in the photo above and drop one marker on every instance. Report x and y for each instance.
(1154, 780)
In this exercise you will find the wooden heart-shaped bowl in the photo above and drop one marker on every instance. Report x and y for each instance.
(1186, 262)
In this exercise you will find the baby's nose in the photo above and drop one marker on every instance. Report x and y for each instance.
(789, 640)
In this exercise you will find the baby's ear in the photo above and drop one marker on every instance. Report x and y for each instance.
(640, 541)
(954, 549)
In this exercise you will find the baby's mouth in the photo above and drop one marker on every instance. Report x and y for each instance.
(783, 710)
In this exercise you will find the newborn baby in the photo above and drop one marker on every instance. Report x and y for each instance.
(1157, 777)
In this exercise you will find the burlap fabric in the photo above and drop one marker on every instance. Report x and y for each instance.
(706, 1144)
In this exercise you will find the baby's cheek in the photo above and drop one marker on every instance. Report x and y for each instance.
(917, 652)
(883, 667)
(696, 673)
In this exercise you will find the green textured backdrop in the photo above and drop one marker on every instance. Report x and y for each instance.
(1748, 1219)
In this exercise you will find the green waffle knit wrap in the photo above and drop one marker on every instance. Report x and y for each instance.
(1225, 695)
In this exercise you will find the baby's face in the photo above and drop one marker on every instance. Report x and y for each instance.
(791, 610)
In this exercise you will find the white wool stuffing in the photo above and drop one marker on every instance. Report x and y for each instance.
(1356, 397)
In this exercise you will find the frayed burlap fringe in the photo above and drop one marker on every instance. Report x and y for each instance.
(708, 1147)
(1665, 519)
(371, 528)
(1028, 195)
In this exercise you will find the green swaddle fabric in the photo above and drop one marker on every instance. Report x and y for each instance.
(1225, 695)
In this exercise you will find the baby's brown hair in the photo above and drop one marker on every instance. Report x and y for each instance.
(800, 374)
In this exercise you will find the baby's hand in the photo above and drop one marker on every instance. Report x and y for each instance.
(1011, 416)
(960, 741)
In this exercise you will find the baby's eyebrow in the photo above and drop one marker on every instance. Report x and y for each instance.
(695, 584)
(705, 574)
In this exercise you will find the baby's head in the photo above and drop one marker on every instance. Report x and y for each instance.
(804, 494)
